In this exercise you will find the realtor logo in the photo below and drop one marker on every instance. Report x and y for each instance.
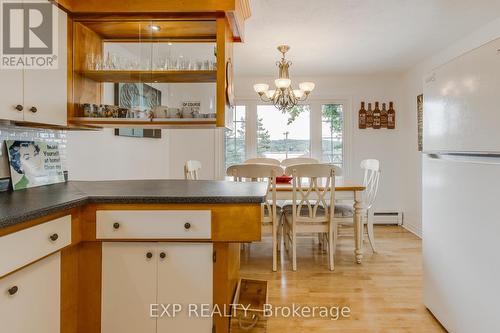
(29, 34)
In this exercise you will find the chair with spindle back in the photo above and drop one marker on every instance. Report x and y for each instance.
(298, 160)
(192, 169)
(263, 160)
(371, 178)
(312, 208)
(269, 210)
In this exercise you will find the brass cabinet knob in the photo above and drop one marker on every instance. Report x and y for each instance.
(149, 255)
(19, 107)
(187, 225)
(33, 109)
(163, 255)
(116, 225)
(54, 237)
(13, 290)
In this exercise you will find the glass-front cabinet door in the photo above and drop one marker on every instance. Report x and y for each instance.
(151, 71)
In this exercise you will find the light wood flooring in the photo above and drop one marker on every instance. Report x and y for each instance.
(384, 293)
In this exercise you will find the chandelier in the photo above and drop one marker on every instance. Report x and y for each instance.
(284, 97)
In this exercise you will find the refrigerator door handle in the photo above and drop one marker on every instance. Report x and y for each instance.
(490, 159)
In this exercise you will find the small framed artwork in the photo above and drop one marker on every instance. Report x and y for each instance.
(34, 163)
(420, 121)
(134, 95)
(139, 132)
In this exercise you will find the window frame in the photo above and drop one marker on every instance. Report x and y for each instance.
(315, 123)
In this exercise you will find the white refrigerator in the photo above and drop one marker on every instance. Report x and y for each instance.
(461, 192)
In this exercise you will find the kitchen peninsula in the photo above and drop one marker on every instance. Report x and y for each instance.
(173, 237)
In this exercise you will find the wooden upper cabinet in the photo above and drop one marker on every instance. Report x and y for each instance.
(236, 11)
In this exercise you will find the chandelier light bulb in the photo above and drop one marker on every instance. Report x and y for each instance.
(298, 93)
(282, 83)
(306, 87)
(260, 87)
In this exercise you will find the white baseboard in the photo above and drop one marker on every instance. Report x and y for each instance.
(414, 228)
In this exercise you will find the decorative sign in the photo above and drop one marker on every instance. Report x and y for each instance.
(191, 107)
(34, 163)
(377, 118)
(420, 122)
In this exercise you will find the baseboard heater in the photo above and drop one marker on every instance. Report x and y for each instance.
(388, 218)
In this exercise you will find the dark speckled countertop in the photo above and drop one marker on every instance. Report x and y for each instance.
(20, 206)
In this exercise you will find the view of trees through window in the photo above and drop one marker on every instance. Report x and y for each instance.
(283, 135)
(235, 138)
(332, 121)
(287, 134)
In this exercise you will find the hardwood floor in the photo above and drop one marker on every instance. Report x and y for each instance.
(384, 293)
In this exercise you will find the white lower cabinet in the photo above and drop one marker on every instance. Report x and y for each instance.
(30, 298)
(185, 277)
(140, 276)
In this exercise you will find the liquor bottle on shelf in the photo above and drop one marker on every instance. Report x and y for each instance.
(362, 116)
(383, 116)
(376, 116)
(369, 116)
(391, 116)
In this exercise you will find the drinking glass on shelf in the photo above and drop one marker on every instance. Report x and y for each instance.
(98, 62)
(90, 61)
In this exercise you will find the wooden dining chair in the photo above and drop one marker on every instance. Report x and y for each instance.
(298, 160)
(312, 208)
(270, 217)
(263, 160)
(345, 212)
(192, 169)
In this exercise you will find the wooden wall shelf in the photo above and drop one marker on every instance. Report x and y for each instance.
(146, 123)
(119, 76)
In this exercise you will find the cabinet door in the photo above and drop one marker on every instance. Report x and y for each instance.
(34, 305)
(11, 94)
(128, 287)
(46, 90)
(185, 277)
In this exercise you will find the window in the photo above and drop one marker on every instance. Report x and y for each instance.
(318, 129)
(283, 135)
(332, 134)
(235, 138)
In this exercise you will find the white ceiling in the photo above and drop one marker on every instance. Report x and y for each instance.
(354, 36)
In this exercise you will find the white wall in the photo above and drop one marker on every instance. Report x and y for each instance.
(382, 144)
(413, 86)
(100, 155)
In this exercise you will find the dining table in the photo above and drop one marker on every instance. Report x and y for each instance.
(345, 190)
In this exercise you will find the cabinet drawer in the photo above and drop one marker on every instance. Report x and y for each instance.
(30, 298)
(23, 247)
(153, 224)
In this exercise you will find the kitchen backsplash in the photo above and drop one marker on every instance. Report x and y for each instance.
(8, 132)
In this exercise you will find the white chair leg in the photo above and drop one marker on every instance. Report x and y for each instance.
(371, 236)
(294, 251)
(285, 236)
(331, 250)
(275, 247)
(335, 237)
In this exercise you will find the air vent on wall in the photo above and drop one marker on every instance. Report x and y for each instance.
(388, 218)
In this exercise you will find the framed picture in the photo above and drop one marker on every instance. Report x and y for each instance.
(420, 121)
(34, 163)
(139, 132)
(136, 95)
